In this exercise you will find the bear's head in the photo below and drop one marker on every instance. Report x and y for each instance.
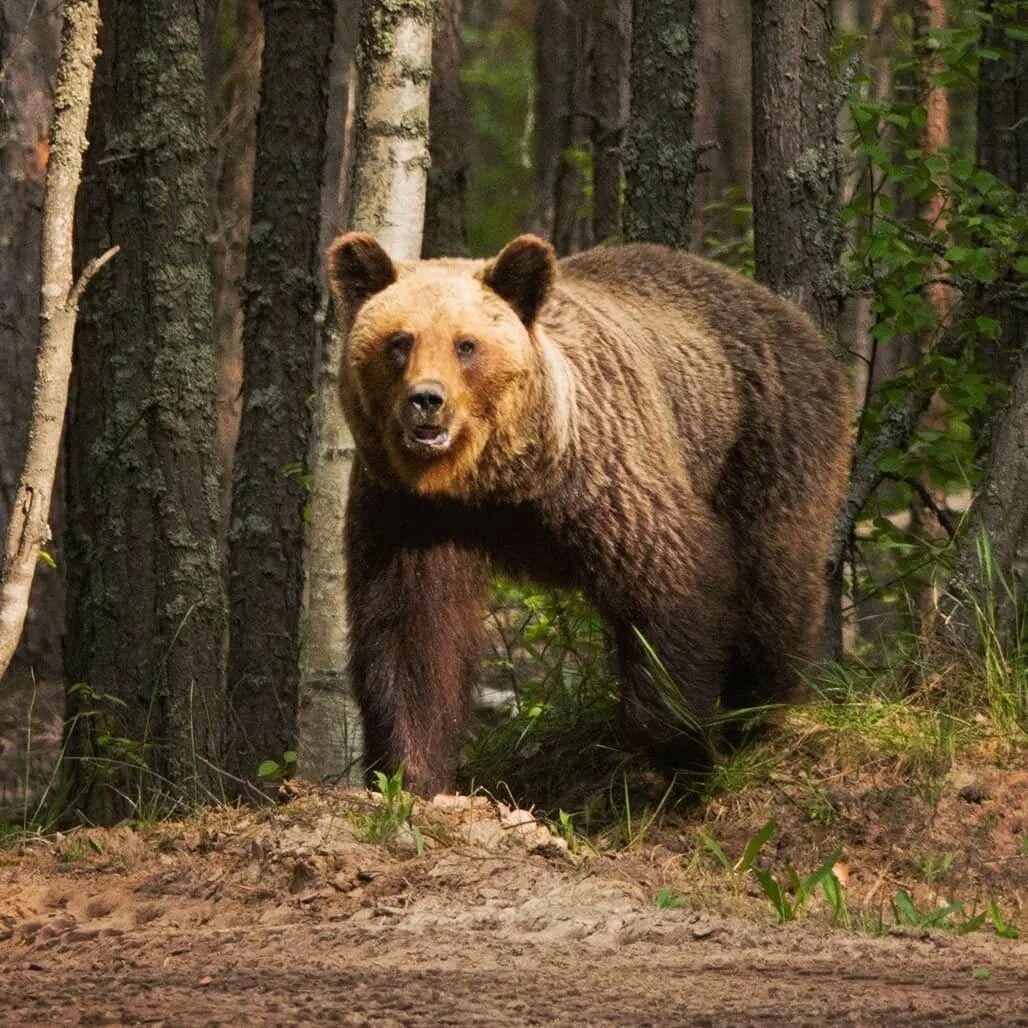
(444, 380)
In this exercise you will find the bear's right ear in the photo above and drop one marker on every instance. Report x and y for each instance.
(523, 275)
(357, 268)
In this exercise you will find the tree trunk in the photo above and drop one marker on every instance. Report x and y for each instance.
(445, 233)
(28, 527)
(234, 74)
(797, 161)
(342, 113)
(930, 16)
(797, 171)
(612, 41)
(29, 48)
(660, 155)
(554, 75)
(989, 568)
(266, 537)
(572, 225)
(722, 116)
(147, 628)
(388, 198)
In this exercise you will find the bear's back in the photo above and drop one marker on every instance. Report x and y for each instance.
(692, 357)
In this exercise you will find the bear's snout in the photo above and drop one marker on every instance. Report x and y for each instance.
(424, 418)
(425, 400)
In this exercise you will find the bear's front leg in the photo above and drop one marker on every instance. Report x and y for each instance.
(415, 602)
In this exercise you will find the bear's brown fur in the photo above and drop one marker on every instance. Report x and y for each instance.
(643, 425)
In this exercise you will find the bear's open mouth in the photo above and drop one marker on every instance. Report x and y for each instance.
(426, 439)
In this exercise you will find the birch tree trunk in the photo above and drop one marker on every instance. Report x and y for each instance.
(30, 38)
(28, 527)
(388, 199)
(266, 537)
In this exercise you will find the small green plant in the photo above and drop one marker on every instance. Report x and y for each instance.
(564, 826)
(949, 918)
(749, 854)
(981, 974)
(790, 893)
(1002, 927)
(670, 899)
(274, 771)
(393, 816)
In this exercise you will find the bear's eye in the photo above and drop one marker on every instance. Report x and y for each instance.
(466, 348)
(399, 346)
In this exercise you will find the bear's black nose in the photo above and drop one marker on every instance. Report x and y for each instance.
(426, 397)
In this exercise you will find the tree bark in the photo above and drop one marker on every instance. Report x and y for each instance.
(572, 225)
(722, 115)
(266, 538)
(445, 232)
(661, 158)
(930, 16)
(28, 527)
(612, 41)
(797, 161)
(29, 50)
(387, 198)
(233, 86)
(989, 567)
(147, 629)
(554, 74)
(797, 172)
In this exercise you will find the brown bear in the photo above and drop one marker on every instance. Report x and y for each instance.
(643, 425)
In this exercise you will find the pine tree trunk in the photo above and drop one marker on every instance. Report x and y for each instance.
(660, 157)
(572, 226)
(612, 43)
(233, 86)
(445, 232)
(995, 579)
(929, 17)
(266, 537)
(722, 116)
(797, 160)
(554, 74)
(797, 172)
(388, 199)
(147, 628)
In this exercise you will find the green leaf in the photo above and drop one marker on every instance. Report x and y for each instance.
(903, 905)
(774, 893)
(269, 769)
(754, 846)
(714, 848)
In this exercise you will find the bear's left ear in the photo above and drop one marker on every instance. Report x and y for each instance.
(523, 275)
(357, 268)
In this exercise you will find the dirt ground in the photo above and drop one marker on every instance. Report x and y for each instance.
(283, 916)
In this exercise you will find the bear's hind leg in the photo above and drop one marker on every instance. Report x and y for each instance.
(780, 629)
(686, 615)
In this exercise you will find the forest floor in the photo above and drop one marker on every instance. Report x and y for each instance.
(285, 915)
